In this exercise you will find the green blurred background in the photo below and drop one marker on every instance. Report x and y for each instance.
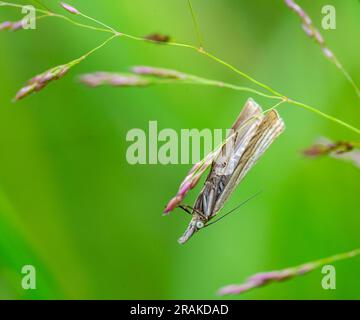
(91, 224)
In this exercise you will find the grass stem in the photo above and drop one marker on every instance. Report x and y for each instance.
(275, 93)
(196, 25)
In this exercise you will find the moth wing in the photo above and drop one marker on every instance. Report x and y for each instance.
(250, 109)
(239, 137)
(225, 163)
(269, 129)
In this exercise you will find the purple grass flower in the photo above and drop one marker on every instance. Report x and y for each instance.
(158, 72)
(328, 53)
(95, 79)
(341, 150)
(318, 37)
(326, 147)
(119, 81)
(11, 26)
(264, 278)
(90, 80)
(309, 28)
(114, 79)
(289, 3)
(236, 289)
(296, 8)
(17, 26)
(305, 269)
(261, 279)
(190, 181)
(308, 31)
(184, 189)
(173, 203)
(24, 92)
(69, 8)
(64, 70)
(6, 25)
(40, 81)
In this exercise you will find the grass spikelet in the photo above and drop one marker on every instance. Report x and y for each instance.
(11, 26)
(312, 32)
(342, 150)
(309, 28)
(158, 72)
(190, 182)
(70, 8)
(114, 79)
(40, 81)
(261, 279)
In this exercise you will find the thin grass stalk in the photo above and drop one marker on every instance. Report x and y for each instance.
(261, 279)
(196, 25)
(202, 51)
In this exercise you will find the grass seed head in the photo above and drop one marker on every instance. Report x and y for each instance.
(114, 79)
(69, 8)
(158, 72)
(40, 81)
(11, 26)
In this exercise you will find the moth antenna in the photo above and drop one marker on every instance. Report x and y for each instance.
(236, 208)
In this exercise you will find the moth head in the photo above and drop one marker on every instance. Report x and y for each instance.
(195, 225)
(199, 224)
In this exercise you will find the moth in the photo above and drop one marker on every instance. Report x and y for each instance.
(252, 134)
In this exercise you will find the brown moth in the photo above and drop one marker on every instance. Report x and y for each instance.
(251, 135)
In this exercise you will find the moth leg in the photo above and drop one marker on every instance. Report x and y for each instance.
(203, 216)
(186, 209)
